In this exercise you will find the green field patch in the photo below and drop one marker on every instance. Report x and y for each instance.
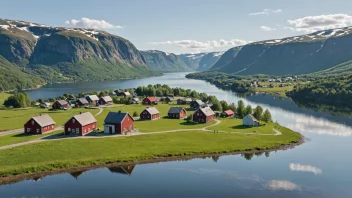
(235, 125)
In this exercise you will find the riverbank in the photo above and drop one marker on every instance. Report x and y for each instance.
(8, 179)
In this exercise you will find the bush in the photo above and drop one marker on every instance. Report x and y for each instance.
(135, 114)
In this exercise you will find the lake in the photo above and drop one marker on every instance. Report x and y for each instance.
(321, 167)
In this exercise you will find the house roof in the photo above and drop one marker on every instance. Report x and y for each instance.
(115, 117)
(229, 112)
(136, 99)
(252, 117)
(43, 120)
(83, 100)
(152, 110)
(93, 97)
(199, 102)
(126, 93)
(62, 102)
(152, 98)
(188, 99)
(107, 98)
(207, 111)
(175, 110)
(85, 118)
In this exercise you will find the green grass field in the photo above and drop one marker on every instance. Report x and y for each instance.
(78, 152)
(16, 118)
(21, 137)
(235, 125)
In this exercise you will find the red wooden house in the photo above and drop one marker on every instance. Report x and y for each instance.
(149, 101)
(150, 113)
(92, 99)
(61, 104)
(39, 125)
(203, 115)
(118, 123)
(228, 113)
(177, 112)
(80, 124)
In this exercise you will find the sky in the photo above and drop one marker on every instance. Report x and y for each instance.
(187, 26)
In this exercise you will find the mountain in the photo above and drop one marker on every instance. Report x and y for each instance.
(295, 55)
(70, 54)
(201, 61)
(164, 62)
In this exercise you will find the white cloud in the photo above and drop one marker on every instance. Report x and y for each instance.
(193, 44)
(282, 185)
(267, 29)
(266, 12)
(91, 23)
(305, 168)
(321, 22)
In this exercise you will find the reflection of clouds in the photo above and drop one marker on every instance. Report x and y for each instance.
(305, 168)
(311, 124)
(282, 185)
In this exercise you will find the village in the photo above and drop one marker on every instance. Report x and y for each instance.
(123, 123)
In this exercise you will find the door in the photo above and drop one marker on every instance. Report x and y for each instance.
(110, 130)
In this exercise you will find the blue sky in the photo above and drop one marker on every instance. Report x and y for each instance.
(187, 26)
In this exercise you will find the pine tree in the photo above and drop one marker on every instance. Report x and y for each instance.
(267, 116)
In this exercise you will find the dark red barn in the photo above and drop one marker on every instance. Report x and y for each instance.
(149, 101)
(39, 125)
(177, 112)
(203, 115)
(60, 104)
(118, 123)
(80, 124)
(150, 113)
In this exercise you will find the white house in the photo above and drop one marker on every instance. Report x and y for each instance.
(250, 120)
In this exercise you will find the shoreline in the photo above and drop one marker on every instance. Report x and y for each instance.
(27, 176)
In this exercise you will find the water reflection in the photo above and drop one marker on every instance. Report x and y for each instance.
(124, 170)
(282, 185)
(305, 168)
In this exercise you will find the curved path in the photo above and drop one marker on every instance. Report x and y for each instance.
(55, 137)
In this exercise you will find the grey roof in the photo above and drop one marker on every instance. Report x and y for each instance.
(85, 118)
(207, 111)
(62, 102)
(188, 99)
(83, 100)
(136, 99)
(107, 98)
(44, 120)
(93, 97)
(199, 102)
(253, 118)
(175, 110)
(115, 117)
(152, 110)
(127, 93)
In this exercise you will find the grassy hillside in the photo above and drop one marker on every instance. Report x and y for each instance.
(344, 68)
(12, 78)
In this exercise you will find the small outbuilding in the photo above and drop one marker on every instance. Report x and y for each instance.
(177, 112)
(39, 125)
(149, 100)
(60, 104)
(126, 93)
(118, 123)
(203, 115)
(250, 120)
(183, 101)
(196, 104)
(92, 99)
(135, 100)
(82, 102)
(105, 100)
(228, 113)
(80, 124)
(150, 113)
(169, 99)
(45, 105)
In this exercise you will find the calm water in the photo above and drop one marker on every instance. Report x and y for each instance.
(319, 168)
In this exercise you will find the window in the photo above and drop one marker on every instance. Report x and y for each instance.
(77, 130)
(38, 130)
(28, 130)
(32, 122)
(68, 129)
(73, 121)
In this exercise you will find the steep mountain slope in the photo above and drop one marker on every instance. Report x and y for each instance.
(295, 55)
(75, 53)
(164, 62)
(12, 78)
(192, 60)
(209, 60)
(201, 61)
